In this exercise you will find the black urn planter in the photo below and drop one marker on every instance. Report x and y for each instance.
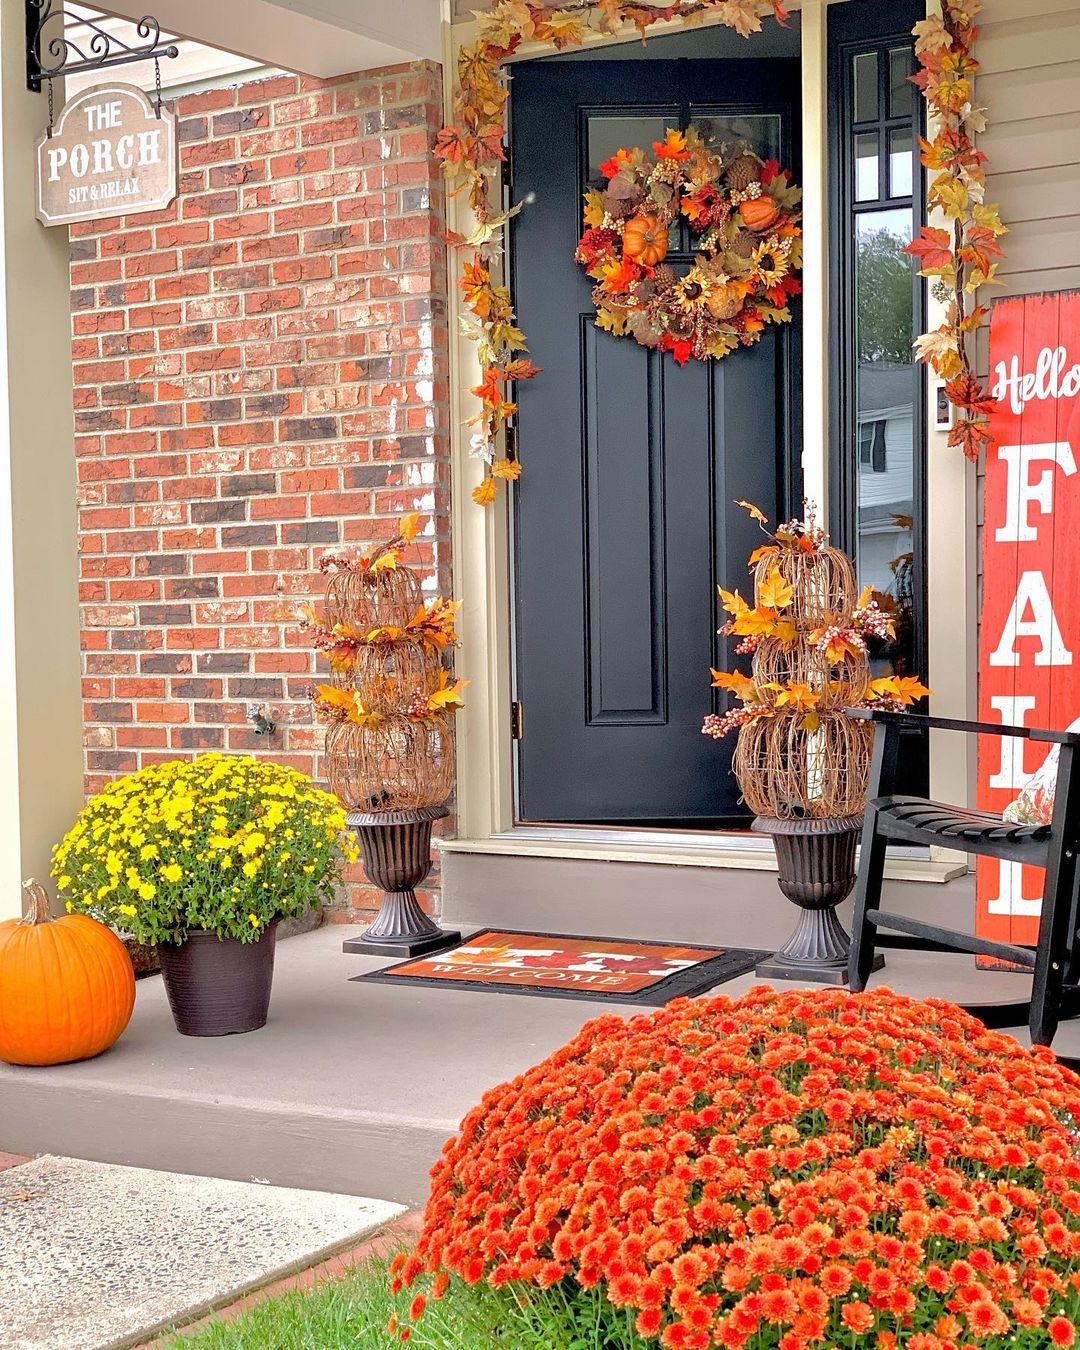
(219, 986)
(816, 860)
(397, 857)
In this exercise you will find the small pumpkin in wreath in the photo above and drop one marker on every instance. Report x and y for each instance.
(645, 240)
(759, 214)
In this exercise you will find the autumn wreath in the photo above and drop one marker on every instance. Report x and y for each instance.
(744, 214)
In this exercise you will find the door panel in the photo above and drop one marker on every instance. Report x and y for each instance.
(624, 522)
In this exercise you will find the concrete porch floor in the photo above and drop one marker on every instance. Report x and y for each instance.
(354, 1087)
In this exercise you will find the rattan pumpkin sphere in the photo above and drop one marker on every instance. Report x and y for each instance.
(397, 765)
(823, 581)
(388, 672)
(788, 771)
(368, 598)
(838, 686)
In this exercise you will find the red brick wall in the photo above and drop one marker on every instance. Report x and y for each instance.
(260, 374)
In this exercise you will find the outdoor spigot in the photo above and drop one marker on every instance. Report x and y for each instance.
(258, 719)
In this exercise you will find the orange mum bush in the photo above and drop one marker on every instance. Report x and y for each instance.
(812, 1168)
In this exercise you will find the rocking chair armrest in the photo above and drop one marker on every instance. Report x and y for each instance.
(916, 721)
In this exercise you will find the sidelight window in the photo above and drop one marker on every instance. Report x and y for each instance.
(878, 399)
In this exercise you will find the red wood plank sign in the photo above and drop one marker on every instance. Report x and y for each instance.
(1029, 664)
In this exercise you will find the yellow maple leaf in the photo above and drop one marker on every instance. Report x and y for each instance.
(484, 492)
(506, 468)
(732, 601)
(410, 526)
(784, 630)
(334, 697)
(765, 551)
(798, 696)
(758, 622)
(447, 696)
(593, 215)
(386, 562)
(774, 592)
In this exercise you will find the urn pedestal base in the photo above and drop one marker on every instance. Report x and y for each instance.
(397, 857)
(816, 861)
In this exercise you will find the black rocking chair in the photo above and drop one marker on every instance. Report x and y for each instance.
(915, 820)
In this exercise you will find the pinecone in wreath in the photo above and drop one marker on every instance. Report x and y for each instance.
(618, 208)
(742, 171)
(744, 244)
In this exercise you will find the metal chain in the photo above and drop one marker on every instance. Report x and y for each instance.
(50, 128)
(157, 84)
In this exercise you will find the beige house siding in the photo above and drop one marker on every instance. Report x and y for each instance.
(1030, 85)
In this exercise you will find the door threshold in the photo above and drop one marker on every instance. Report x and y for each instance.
(735, 850)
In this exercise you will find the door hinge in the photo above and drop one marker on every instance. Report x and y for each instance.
(516, 721)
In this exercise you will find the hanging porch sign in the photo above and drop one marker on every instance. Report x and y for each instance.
(112, 152)
(1029, 664)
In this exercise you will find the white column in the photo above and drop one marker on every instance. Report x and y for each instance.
(40, 712)
(815, 301)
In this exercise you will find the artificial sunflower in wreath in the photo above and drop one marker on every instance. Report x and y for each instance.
(744, 214)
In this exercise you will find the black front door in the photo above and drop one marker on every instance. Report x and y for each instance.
(625, 518)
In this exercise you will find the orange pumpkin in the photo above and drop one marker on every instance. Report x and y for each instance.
(645, 240)
(759, 213)
(67, 986)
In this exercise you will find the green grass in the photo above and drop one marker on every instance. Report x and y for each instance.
(352, 1314)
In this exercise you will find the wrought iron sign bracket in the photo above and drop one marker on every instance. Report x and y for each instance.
(50, 53)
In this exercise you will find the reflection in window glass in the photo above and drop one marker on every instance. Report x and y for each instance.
(901, 90)
(760, 132)
(608, 133)
(866, 167)
(866, 87)
(885, 415)
(901, 162)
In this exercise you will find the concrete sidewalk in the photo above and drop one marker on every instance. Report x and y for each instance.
(97, 1257)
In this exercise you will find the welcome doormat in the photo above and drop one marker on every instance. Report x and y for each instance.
(563, 965)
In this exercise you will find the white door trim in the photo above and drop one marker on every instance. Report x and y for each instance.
(481, 538)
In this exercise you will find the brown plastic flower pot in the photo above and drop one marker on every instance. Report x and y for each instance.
(219, 986)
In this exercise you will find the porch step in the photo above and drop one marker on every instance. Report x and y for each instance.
(355, 1087)
(652, 901)
(349, 1087)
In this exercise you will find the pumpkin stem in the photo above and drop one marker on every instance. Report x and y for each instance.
(36, 907)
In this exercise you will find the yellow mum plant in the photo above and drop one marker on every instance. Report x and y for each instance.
(227, 843)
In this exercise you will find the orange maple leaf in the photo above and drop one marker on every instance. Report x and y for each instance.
(735, 683)
(756, 512)
(673, 146)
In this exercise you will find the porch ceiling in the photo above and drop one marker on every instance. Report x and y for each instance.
(315, 37)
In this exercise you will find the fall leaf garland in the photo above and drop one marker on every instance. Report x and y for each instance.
(471, 151)
(960, 260)
(744, 215)
(963, 258)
